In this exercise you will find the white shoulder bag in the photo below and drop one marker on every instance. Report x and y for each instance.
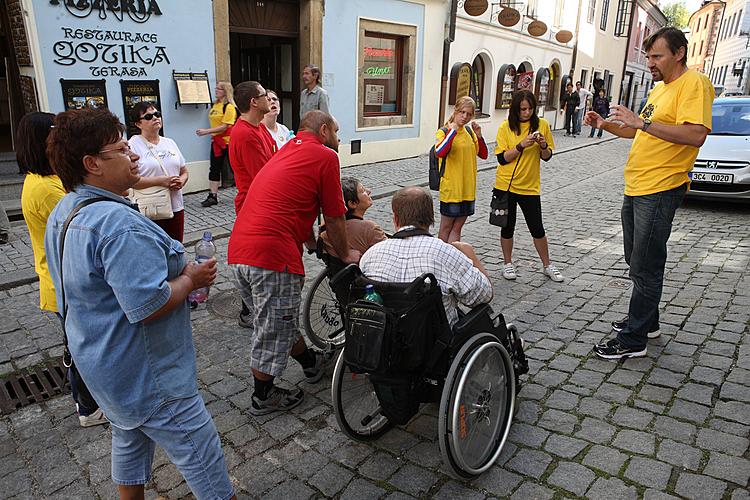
(154, 202)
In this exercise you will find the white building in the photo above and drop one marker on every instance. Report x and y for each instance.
(731, 62)
(505, 58)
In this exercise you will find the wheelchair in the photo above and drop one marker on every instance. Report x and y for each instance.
(403, 353)
(322, 312)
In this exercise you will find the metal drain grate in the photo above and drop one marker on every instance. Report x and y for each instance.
(622, 284)
(226, 304)
(24, 388)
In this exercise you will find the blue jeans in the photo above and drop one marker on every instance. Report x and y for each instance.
(186, 432)
(577, 120)
(646, 227)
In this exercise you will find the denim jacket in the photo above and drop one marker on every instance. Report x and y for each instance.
(117, 264)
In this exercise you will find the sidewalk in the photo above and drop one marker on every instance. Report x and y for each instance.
(384, 178)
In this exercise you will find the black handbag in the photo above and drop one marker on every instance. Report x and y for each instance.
(500, 204)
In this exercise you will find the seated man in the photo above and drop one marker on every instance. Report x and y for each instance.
(362, 233)
(462, 278)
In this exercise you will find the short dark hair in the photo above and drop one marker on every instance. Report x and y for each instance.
(674, 37)
(79, 133)
(569, 84)
(31, 143)
(315, 71)
(244, 92)
(349, 187)
(412, 206)
(140, 109)
(579, 83)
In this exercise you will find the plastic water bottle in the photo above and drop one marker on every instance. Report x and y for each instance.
(204, 250)
(372, 296)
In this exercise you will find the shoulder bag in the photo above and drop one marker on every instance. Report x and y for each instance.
(499, 206)
(154, 202)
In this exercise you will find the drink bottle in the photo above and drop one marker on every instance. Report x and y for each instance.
(204, 250)
(372, 296)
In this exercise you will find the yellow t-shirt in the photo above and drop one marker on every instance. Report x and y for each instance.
(39, 196)
(526, 180)
(655, 165)
(459, 183)
(217, 115)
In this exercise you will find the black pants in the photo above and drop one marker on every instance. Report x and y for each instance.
(217, 164)
(531, 206)
(570, 121)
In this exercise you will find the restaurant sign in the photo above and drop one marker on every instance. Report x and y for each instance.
(138, 11)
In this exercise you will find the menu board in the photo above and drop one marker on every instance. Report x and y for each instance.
(192, 88)
(542, 87)
(374, 95)
(505, 86)
(80, 94)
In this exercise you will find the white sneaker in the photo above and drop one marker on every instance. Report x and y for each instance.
(553, 274)
(509, 272)
(96, 418)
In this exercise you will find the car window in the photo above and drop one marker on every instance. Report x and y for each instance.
(731, 119)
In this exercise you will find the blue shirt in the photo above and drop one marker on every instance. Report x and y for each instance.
(117, 264)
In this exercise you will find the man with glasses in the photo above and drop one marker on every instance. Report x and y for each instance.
(250, 147)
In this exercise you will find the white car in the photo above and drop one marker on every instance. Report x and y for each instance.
(722, 169)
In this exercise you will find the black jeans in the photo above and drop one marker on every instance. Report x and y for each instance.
(646, 227)
(570, 121)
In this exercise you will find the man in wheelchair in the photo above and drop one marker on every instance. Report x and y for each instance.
(416, 348)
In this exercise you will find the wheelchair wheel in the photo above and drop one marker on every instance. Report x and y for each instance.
(355, 404)
(477, 406)
(321, 314)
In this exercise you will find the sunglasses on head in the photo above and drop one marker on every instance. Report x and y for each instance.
(150, 116)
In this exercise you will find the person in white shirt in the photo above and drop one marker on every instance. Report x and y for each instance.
(161, 164)
(279, 132)
(401, 259)
(585, 95)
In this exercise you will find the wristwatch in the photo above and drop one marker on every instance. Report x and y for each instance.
(646, 123)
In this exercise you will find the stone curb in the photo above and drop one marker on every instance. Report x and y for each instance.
(27, 276)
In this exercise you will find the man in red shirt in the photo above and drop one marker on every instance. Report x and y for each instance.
(250, 147)
(265, 253)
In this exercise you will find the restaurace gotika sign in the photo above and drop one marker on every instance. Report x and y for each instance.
(110, 52)
(139, 11)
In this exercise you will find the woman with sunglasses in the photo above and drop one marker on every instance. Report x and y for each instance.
(161, 164)
(279, 132)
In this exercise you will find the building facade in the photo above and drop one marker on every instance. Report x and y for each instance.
(730, 66)
(601, 45)
(531, 49)
(703, 35)
(647, 19)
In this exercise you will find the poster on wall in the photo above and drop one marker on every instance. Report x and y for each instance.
(460, 82)
(80, 94)
(374, 95)
(135, 91)
(525, 80)
(192, 88)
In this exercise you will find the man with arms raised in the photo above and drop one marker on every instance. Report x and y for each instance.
(265, 253)
(668, 133)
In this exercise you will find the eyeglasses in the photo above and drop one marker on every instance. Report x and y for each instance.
(123, 150)
(265, 94)
(150, 116)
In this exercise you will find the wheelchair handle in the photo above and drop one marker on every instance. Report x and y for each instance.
(348, 273)
(418, 283)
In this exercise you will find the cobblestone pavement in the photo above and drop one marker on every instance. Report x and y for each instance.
(673, 424)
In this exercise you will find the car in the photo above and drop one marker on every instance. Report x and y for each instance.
(722, 168)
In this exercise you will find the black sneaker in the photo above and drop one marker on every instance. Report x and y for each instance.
(613, 350)
(618, 326)
(322, 360)
(245, 321)
(4, 237)
(278, 399)
(211, 199)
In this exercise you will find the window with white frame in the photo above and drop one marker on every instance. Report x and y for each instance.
(605, 15)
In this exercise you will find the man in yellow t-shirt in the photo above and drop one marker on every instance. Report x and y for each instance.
(670, 129)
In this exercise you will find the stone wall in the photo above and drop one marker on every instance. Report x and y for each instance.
(28, 92)
(18, 33)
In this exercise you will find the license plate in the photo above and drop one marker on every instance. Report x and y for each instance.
(714, 178)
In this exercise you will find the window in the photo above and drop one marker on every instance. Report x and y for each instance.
(623, 17)
(605, 14)
(737, 24)
(385, 84)
(698, 26)
(646, 34)
(531, 7)
(559, 4)
(700, 51)
(692, 51)
(584, 78)
(592, 11)
(477, 82)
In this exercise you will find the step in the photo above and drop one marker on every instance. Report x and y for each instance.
(11, 187)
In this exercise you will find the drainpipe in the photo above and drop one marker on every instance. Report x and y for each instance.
(446, 61)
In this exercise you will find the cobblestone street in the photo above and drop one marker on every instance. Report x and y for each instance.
(673, 424)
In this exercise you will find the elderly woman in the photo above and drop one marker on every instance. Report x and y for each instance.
(161, 164)
(126, 318)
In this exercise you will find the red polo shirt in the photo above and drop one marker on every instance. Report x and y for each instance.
(250, 148)
(288, 193)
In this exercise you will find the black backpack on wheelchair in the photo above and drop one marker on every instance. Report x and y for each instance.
(403, 353)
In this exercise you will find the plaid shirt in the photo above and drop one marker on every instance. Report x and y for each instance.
(402, 260)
